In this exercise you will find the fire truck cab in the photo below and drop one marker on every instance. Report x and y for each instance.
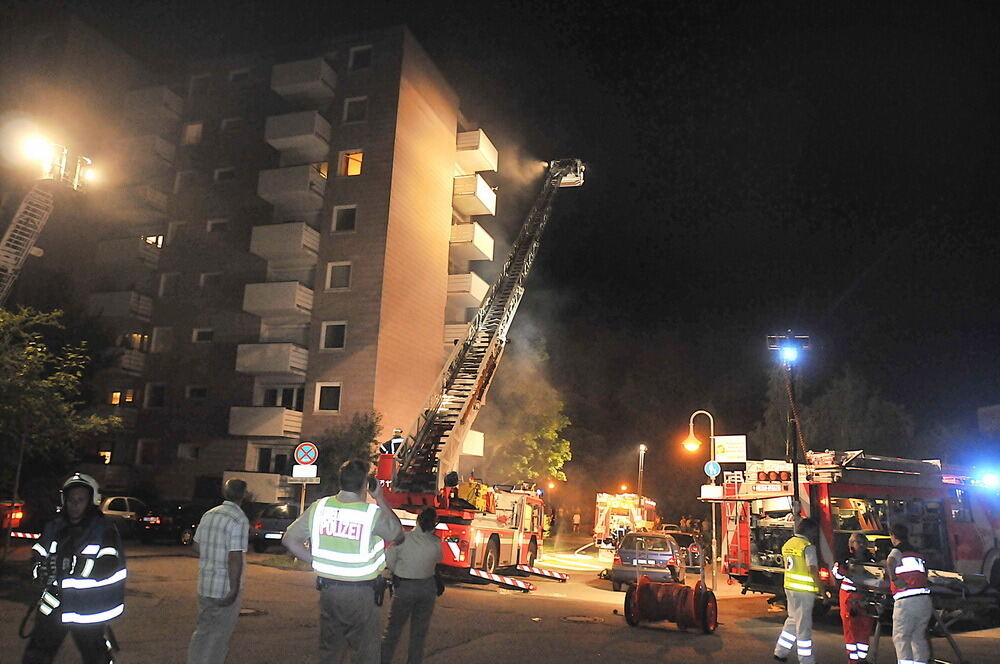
(953, 521)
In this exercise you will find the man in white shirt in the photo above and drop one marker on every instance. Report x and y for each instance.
(413, 563)
(221, 544)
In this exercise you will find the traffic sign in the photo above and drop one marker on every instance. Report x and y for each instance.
(712, 468)
(306, 453)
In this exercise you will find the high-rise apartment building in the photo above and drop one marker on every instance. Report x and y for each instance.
(294, 247)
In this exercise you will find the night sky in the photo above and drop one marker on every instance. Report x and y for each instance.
(753, 167)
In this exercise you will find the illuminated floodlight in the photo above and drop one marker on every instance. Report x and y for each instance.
(990, 480)
(789, 354)
(91, 175)
(38, 149)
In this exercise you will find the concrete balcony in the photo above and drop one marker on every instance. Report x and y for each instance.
(300, 137)
(286, 300)
(473, 196)
(474, 151)
(128, 250)
(470, 242)
(283, 361)
(156, 104)
(120, 304)
(152, 200)
(309, 81)
(131, 361)
(150, 153)
(293, 188)
(455, 332)
(292, 244)
(466, 290)
(271, 421)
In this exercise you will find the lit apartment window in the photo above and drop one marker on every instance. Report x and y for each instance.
(106, 455)
(155, 240)
(183, 180)
(328, 397)
(191, 134)
(345, 218)
(217, 225)
(322, 167)
(170, 284)
(163, 340)
(156, 395)
(116, 398)
(128, 396)
(360, 58)
(333, 335)
(239, 75)
(210, 279)
(350, 162)
(196, 392)
(338, 275)
(202, 335)
(225, 174)
(134, 341)
(232, 124)
(355, 109)
(198, 85)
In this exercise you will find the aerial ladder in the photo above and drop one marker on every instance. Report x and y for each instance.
(434, 443)
(34, 211)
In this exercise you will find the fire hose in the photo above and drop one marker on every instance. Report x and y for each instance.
(649, 601)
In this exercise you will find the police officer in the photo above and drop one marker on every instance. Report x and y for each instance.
(858, 625)
(347, 536)
(801, 587)
(911, 596)
(80, 563)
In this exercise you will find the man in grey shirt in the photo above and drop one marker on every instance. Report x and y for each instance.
(413, 562)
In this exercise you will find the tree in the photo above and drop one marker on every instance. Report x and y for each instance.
(39, 395)
(523, 420)
(357, 439)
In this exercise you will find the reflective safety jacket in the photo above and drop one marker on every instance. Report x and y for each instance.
(849, 572)
(910, 576)
(797, 575)
(342, 541)
(84, 576)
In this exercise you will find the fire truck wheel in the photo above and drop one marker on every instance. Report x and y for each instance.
(708, 612)
(532, 552)
(492, 558)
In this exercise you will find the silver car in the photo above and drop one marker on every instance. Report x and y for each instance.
(656, 555)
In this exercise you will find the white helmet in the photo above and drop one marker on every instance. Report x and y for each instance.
(80, 479)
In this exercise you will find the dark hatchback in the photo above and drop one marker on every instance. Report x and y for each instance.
(690, 551)
(656, 555)
(174, 521)
(269, 525)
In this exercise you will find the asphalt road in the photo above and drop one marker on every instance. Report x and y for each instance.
(561, 622)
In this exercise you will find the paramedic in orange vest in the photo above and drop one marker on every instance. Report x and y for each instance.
(347, 536)
(858, 625)
(911, 598)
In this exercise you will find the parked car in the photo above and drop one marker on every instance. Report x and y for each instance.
(174, 520)
(124, 512)
(656, 555)
(268, 527)
(690, 551)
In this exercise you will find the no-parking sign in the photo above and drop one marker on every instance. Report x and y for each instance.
(306, 453)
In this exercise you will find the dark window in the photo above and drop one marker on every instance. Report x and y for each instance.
(287, 397)
(225, 174)
(345, 219)
(360, 58)
(334, 335)
(281, 463)
(329, 397)
(340, 276)
(356, 110)
(197, 392)
(264, 460)
(157, 397)
(203, 335)
(239, 76)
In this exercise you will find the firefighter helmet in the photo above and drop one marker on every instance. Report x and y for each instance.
(81, 479)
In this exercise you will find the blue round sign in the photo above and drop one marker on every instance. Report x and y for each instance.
(712, 468)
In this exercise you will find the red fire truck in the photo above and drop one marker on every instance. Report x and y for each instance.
(953, 519)
(618, 513)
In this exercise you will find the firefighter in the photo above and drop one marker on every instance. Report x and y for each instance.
(80, 563)
(911, 597)
(858, 625)
(801, 587)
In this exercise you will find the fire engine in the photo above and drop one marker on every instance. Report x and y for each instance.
(618, 513)
(482, 528)
(954, 521)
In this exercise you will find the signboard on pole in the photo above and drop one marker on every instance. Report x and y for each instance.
(298, 470)
(303, 480)
(731, 449)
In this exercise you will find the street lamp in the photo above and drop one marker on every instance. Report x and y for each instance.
(642, 456)
(790, 347)
(624, 488)
(693, 444)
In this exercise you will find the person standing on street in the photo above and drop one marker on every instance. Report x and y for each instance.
(858, 625)
(576, 521)
(911, 597)
(80, 562)
(413, 563)
(221, 544)
(801, 587)
(347, 536)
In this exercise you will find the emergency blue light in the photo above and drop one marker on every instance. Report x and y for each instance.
(990, 480)
(789, 354)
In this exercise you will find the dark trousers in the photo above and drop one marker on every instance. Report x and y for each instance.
(50, 632)
(348, 617)
(413, 601)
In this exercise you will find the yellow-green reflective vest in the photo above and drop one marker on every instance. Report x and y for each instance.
(342, 543)
(797, 576)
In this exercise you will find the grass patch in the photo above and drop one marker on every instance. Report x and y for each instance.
(284, 561)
